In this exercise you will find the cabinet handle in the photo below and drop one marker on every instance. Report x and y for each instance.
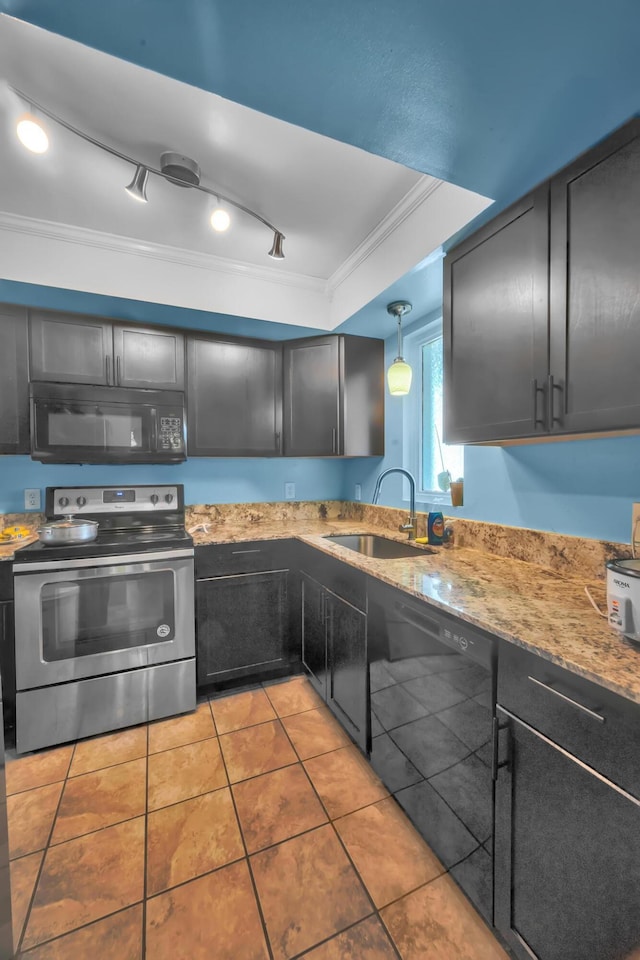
(278, 443)
(552, 404)
(257, 550)
(334, 433)
(496, 730)
(535, 390)
(108, 366)
(118, 371)
(570, 700)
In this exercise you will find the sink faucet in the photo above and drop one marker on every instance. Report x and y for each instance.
(411, 524)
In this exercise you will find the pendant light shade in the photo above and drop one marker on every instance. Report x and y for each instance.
(399, 378)
(399, 373)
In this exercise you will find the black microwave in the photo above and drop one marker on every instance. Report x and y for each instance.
(71, 423)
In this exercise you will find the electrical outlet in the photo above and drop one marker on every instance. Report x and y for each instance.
(358, 491)
(289, 491)
(32, 499)
(635, 523)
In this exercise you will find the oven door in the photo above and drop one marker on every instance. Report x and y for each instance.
(95, 616)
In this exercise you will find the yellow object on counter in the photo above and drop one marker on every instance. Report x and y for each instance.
(14, 533)
(421, 540)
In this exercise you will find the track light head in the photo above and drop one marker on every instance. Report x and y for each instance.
(276, 248)
(138, 186)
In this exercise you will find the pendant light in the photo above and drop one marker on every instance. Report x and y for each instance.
(399, 373)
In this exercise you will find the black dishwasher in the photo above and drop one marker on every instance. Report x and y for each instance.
(433, 681)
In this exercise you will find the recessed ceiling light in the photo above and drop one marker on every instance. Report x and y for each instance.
(31, 134)
(220, 219)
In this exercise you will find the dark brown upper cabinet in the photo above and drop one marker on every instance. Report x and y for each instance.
(542, 307)
(234, 397)
(67, 348)
(595, 288)
(14, 381)
(495, 327)
(334, 397)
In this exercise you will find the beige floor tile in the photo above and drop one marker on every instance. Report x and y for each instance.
(293, 696)
(38, 769)
(99, 799)
(99, 752)
(87, 879)
(166, 734)
(118, 937)
(277, 806)
(388, 852)
(368, 940)
(190, 838)
(344, 781)
(314, 732)
(242, 710)
(30, 816)
(185, 772)
(24, 873)
(212, 918)
(437, 922)
(308, 891)
(256, 750)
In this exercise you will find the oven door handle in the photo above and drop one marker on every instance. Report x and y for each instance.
(113, 561)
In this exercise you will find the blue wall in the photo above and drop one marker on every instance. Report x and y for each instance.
(206, 480)
(579, 487)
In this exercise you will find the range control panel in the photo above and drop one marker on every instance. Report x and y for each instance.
(75, 501)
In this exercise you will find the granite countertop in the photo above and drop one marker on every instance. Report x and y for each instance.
(525, 604)
(8, 551)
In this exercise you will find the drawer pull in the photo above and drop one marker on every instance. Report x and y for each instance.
(236, 552)
(574, 703)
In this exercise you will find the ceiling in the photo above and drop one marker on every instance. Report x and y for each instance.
(337, 205)
(491, 97)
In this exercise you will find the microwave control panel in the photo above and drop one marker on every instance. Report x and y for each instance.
(170, 433)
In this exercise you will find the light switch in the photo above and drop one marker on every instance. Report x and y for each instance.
(289, 491)
(358, 492)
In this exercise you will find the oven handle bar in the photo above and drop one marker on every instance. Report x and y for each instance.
(111, 561)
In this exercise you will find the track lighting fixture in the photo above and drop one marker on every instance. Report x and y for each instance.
(32, 134)
(138, 186)
(174, 167)
(399, 373)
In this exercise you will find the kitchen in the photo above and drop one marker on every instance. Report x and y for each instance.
(583, 488)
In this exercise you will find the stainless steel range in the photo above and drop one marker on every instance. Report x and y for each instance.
(105, 633)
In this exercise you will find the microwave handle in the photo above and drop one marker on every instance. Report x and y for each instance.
(154, 428)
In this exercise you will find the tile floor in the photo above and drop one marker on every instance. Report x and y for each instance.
(251, 829)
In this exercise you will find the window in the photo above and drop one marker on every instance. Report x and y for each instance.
(431, 461)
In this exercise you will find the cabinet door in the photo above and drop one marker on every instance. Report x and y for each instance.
(14, 381)
(235, 398)
(314, 639)
(7, 665)
(242, 625)
(312, 402)
(348, 694)
(567, 855)
(495, 327)
(595, 287)
(148, 358)
(70, 349)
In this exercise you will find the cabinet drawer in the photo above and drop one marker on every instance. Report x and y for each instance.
(585, 719)
(219, 560)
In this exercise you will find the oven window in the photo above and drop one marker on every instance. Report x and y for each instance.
(85, 617)
(90, 428)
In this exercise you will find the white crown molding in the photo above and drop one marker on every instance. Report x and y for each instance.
(406, 207)
(114, 243)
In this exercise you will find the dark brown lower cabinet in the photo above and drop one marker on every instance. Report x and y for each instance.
(14, 381)
(243, 625)
(567, 852)
(334, 653)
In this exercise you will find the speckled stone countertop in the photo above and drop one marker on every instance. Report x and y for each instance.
(525, 604)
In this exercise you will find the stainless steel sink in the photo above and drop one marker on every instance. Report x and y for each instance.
(378, 547)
